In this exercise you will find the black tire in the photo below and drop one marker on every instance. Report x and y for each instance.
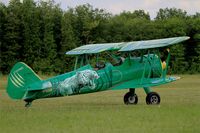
(153, 98)
(130, 98)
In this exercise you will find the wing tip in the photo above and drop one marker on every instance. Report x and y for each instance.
(186, 37)
(174, 78)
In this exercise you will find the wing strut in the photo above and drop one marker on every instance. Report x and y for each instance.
(76, 62)
(143, 74)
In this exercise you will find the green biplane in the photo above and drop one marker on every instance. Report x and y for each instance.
(137, 64)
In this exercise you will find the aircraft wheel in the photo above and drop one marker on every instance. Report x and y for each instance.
(130, 98)
(28, 102)
(153, 98)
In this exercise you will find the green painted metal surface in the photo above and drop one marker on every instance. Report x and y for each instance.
(20, 76)
(127, 75)
(133, 72)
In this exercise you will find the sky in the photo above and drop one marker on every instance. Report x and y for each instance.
(117, 6)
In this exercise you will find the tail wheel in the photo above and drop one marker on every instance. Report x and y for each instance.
(153, 98)
(28, 102)
(130, 98)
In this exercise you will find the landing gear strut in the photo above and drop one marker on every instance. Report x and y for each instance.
(130, 97)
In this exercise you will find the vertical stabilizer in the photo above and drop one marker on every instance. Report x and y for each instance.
(19, 78)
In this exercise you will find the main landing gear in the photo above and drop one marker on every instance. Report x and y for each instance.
(152, 98)
(130, 97)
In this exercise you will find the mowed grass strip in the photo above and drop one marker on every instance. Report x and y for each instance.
(105, 112)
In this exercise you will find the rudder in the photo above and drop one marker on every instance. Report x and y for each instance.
(20, 76)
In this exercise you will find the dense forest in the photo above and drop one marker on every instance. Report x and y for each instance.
(40, 33)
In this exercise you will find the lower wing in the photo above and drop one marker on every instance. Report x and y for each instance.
(145, 82)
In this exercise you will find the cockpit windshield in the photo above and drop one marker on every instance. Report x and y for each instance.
(98, 61)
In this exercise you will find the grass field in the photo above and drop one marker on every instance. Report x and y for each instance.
(104, 112)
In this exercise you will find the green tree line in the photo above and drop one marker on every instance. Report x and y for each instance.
(40, 33)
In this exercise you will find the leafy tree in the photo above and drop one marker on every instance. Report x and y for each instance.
(196, 61)
(193, 47)
(31, 31)
(129, 26)
(170, 13)
(139, 14)
(57, 28)
(87, 21)
(12, 37)
(69, 41)
(48, 46)
(2, 22)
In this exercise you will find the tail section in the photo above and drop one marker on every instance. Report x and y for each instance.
(19, 78)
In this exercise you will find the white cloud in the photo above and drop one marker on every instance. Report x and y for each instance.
(4, 1)
(117, 6)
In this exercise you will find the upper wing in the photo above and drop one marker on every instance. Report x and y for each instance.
(95, 48)
(126, 46)
(152, 43)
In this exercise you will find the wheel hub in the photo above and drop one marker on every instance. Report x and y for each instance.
(131, 99)
(154, 99)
